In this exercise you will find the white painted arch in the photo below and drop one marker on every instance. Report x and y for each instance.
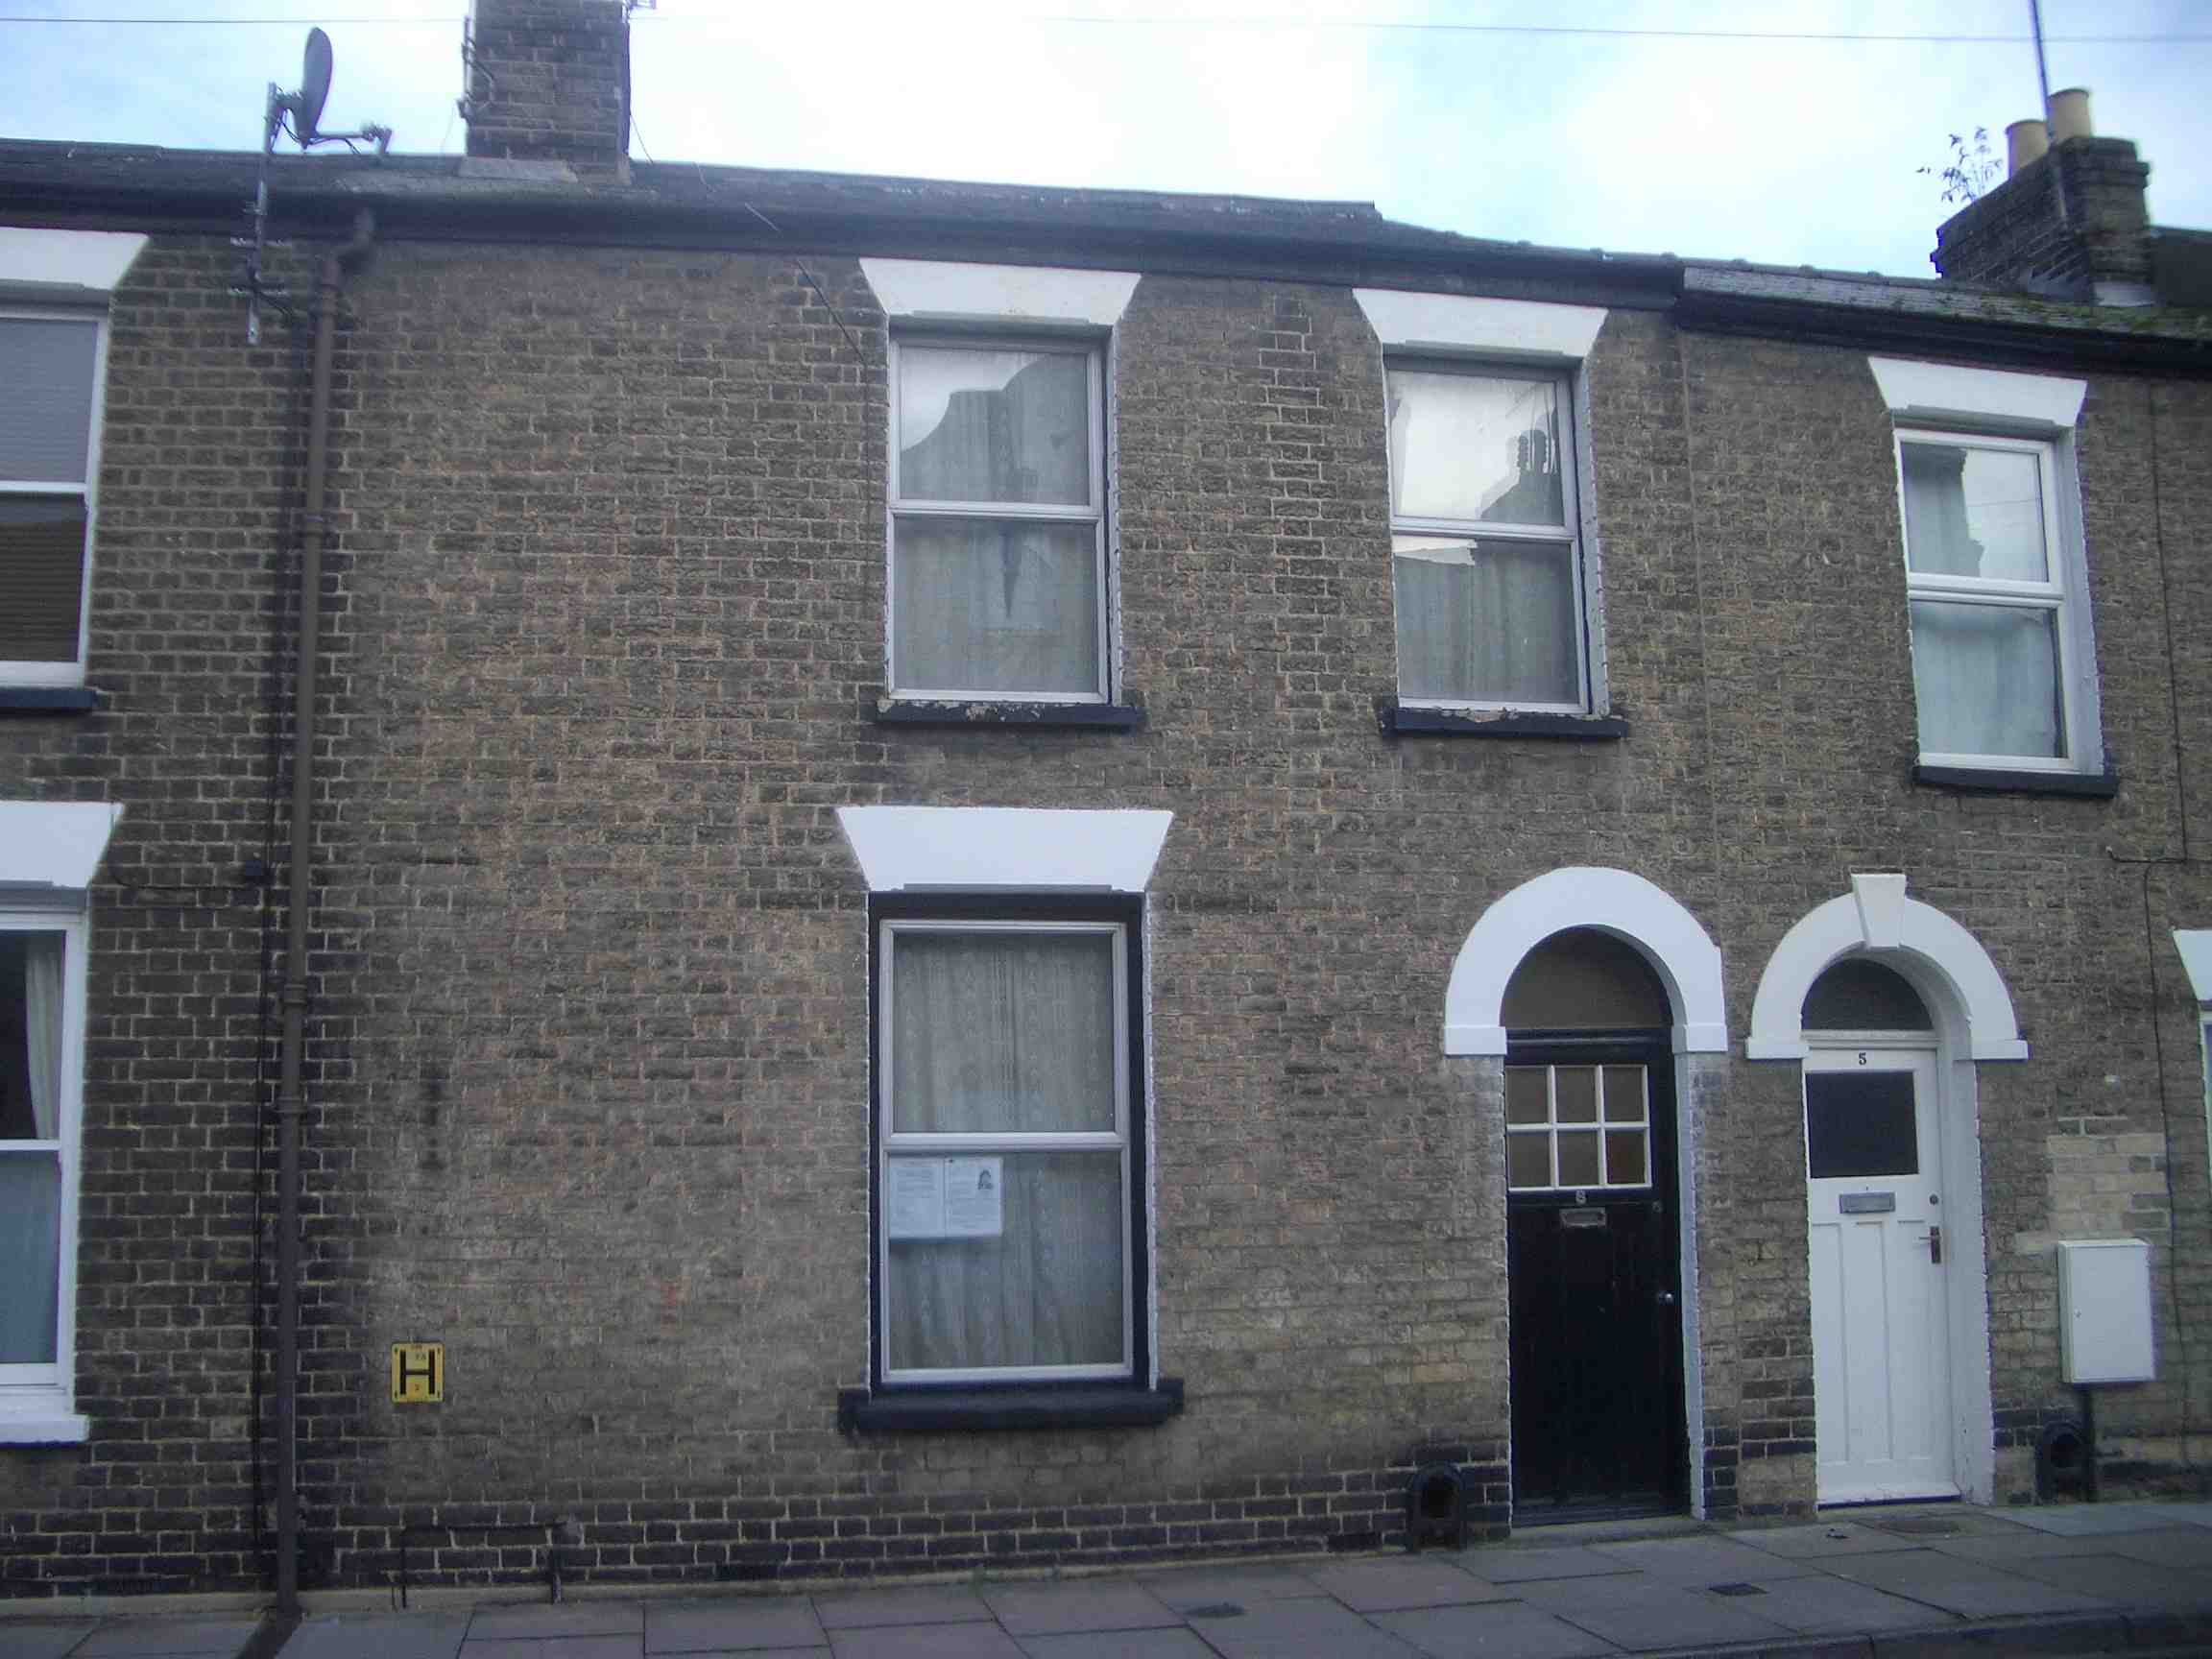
(1875, 916)
(1616, 902)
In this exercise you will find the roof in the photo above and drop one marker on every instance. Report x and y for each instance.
(692, 206)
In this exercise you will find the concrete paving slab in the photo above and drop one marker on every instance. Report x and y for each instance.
(1384, 1585)
(631, 1647)
(150, 1636)
(2188, 1548)
(2073, 1635)
(1084, 1604)
(379, 1636)
(1702, 1560)
(1222, 1586)
(2117, 1579)
(732, 1626)
(1669, 1616)
(1176, 1644)
(1820, 1541)
(48, 1639)
(2192, 1512)
(1300, 1629)
(2025, 1546)
(558, 1619)
(1509, 1566)
(1820, 1605)
(1492, 1630)
(1970, 1589)
(1919, 1523)
(2087, 1520)
(963, 1641)
(917, 1604)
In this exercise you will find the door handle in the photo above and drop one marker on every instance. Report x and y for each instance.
(1935, 1245)
(1666, 1298)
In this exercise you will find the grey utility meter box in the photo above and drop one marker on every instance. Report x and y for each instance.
(2104, 1311)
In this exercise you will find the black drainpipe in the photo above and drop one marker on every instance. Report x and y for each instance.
(298, 903)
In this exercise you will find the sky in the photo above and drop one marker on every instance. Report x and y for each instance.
(1688, 127)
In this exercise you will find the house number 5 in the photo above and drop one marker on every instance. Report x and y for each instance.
(1861, 1056)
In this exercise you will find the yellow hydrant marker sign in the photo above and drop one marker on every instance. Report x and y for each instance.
(418, 1373)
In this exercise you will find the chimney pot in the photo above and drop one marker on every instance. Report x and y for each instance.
(2070, 115)
(2025, 141)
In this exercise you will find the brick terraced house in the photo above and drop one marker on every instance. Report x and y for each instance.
(996, 877)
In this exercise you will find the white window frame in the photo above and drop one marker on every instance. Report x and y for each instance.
(890, 1144)
(1572, 534)
(87, 489)
(36, 1400)
(2056, 596)
(1093, 513)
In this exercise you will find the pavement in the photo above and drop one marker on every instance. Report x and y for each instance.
(1921, 1582)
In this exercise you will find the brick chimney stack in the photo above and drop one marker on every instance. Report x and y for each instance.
(2070, 223)
(549, 83)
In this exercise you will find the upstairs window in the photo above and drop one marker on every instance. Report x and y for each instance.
(1487, 554)
(50, 367)
(998, 521)
(1987, 582)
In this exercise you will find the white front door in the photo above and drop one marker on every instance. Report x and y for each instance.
(1881, 1349)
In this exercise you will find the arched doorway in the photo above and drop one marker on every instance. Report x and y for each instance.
(1874, 983)
(1874, 1238)
(1593, 1234)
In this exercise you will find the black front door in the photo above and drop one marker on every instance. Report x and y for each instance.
(1594, 1263)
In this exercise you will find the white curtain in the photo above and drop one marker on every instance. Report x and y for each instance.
(1485, 623)
(42, 1030)
(1985, 677)
(1000, 606)
(1010, 1033)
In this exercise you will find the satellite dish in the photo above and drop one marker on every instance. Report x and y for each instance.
(314, 86)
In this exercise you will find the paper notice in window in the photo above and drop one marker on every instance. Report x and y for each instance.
(914, 1198)
(975, 1198)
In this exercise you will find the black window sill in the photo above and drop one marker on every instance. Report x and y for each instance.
(1399, 721)
(1032, 716)
(1038, 1405)
(2002, 780)
(48, 700)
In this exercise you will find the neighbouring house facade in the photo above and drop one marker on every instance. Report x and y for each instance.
(1008, 877)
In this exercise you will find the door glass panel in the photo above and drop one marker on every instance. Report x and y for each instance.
(1525, 1098)
(1623, 1093)
(1577, 1087)
(1579, 1159)
(1625, 1158)
(1529, 1160)
(1860, 1123)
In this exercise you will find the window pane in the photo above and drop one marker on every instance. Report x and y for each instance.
(1577, 1088)
(994, 606)
(1526, 1101)
(1973, 513)
(998, 1032)
(1485, 621)
(30, 1036)
(41, 576)
(1529, 1160)
(994, 426)
(29, 1256)
(1986, 680)
(45, 398)
(1624, 1163)
(1047, 1291)
(1860, 1123)
(1623, 1093)
(1577, 1158)
(1464, 446)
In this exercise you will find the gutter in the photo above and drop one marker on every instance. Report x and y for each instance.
(298, 903)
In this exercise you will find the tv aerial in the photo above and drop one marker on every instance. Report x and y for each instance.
(301, 114)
